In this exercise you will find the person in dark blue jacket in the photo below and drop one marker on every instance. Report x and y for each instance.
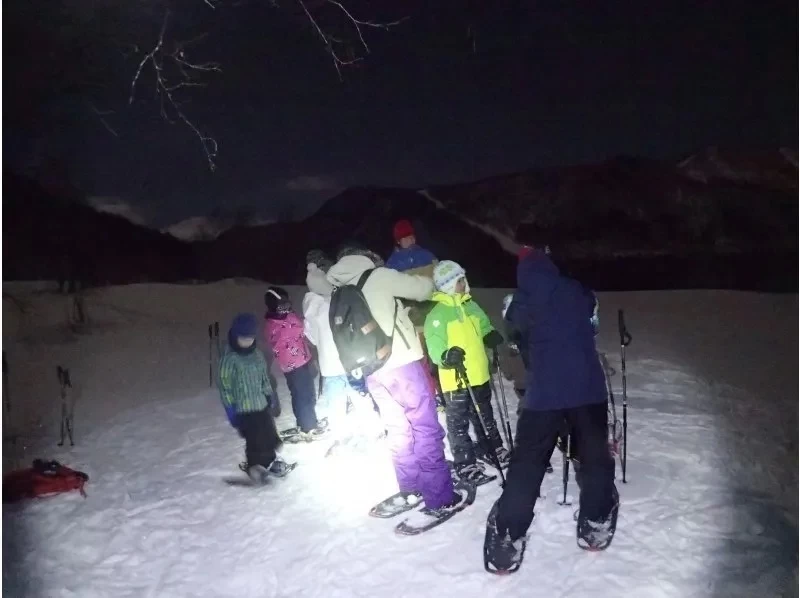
(565, 382)
(407, 255)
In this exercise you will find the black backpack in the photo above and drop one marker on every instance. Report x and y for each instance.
(363, 346)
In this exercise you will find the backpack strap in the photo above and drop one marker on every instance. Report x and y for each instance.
(362, 280)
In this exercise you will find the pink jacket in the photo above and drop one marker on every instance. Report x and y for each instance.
(288, 342)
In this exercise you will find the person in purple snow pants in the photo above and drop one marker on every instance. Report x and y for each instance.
(400, 388)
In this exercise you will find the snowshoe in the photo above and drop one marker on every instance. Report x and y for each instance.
(292, 434)
(396, 504)
(501, 555)
(280, 468)
(296, 435)
(473, 473)
(430, 518)
(595, 536)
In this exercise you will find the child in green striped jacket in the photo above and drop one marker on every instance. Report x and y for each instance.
(246, 393)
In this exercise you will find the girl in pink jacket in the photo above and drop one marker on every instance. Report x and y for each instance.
(283, 330)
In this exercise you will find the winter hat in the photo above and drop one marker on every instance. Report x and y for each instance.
(524, 251)
(243, 325)
(402, 229)
(355, 249)
(317, 282)
(277, 301)
(445, 276)
(319, 259)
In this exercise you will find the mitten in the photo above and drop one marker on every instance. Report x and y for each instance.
(453, 358)
(493, 340)
(230, 411)
(274, 405)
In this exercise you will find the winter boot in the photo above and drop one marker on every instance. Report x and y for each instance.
(501, 554)
(597, 535)
(258, 474)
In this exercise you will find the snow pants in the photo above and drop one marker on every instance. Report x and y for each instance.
(459, 412)
(537, 432)
(260, 436)
(415, 438)
(301, 386)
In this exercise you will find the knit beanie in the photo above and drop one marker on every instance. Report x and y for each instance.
(445, 276)
(277, 301)
(402, 229)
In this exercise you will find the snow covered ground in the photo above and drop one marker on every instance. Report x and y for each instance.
(710, 508)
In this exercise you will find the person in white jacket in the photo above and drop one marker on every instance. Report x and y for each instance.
(363, 422)
(401, 388)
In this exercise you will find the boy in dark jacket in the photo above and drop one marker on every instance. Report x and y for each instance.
(565, 382)
(246, 393)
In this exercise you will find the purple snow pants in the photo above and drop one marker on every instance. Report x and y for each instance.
(415, 438)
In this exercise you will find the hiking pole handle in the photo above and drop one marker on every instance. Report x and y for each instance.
(625, 337)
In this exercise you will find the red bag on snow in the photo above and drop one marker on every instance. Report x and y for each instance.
(45, 478)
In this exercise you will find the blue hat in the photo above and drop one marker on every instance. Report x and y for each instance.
(244, 325)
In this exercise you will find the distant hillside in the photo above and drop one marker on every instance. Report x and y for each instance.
(713, 219)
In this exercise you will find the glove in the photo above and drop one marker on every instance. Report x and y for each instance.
(453, 358)
(513, 349)
(274, 405)
(230, 411)
(493, 340)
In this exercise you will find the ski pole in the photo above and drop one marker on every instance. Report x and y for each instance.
(506, 418)
(624, 340)
(500, 412)
(216, 335)
(210, 373)
(461, 372)
(6, 389)
(565, 470)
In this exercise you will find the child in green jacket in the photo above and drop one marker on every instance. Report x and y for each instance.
(246, 393)
(457, 331)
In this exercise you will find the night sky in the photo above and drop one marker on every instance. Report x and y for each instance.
(457, 92)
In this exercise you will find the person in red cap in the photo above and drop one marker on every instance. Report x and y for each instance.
(407, 256)
(410, 258)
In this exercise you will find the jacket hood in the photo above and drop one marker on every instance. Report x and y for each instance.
(348, 269)
(317, 281)
(537, 277)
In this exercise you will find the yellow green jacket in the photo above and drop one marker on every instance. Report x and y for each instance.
(458, 321)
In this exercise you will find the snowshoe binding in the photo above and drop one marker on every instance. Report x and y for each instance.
(595, 536)
(503, 456)
(501, 555)
(473, 473)
(464, 496)
(396, 504)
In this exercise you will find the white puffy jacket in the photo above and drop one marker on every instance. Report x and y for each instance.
(317, 328)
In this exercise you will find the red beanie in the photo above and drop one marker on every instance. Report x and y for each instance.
(524, 252)
(402, 229)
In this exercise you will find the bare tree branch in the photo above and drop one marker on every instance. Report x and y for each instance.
(164, 87)
(328, 40)
(101, 114)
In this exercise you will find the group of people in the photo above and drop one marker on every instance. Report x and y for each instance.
(438, 336)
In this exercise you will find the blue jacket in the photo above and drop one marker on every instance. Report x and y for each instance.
(553, 313)
(409, 259)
